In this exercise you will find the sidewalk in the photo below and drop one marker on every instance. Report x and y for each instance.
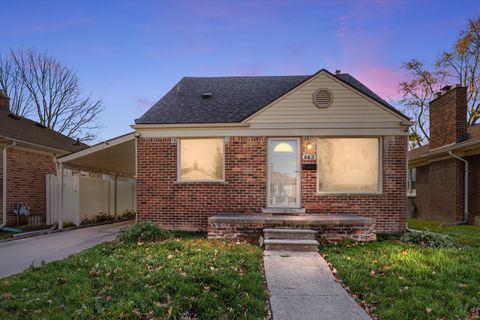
(302, 286)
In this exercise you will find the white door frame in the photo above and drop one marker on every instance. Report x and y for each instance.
(299, 180)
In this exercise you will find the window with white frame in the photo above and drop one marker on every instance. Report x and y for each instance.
(201, 159)
(412, 181)
(348, 165)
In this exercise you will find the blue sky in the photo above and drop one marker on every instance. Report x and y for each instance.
(130, 53)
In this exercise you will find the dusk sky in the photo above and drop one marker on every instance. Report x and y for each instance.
(130, 53)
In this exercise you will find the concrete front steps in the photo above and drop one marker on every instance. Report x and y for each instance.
(281, 239)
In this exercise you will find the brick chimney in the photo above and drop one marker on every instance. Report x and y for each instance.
(4, 101)
(448, 116)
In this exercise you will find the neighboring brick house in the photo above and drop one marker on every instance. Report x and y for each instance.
(298, 145)
(27, 154)
(437, 170)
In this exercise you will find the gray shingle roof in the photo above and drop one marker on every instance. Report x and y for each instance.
(23, 129)
(233, 98)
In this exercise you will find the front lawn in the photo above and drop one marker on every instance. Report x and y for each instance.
(464, 234)
(188, 278)
(402, 281)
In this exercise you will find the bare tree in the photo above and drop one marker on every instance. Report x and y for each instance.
(52, 92)
(13, 86)
(458, 66)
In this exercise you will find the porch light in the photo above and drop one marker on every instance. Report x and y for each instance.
(309, 146)
(283, 147)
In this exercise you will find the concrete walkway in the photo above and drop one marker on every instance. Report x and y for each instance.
(18, 255)
(302, 286)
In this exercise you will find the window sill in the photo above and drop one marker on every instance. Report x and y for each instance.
(200, 182)
(349, 194)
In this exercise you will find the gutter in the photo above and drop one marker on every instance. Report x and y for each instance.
(444, 150)
(4, 183)
(35, 146)
(465, 189)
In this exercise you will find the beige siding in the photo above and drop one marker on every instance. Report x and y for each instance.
(348, 106)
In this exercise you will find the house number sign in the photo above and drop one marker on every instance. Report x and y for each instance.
(309, 157)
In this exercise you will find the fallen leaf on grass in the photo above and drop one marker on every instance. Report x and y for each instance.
(474, 314)
(7, 296)
(429, 310)
(462, 285)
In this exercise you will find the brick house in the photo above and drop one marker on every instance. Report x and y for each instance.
(445, 174)
(236, 154)
(27, 154)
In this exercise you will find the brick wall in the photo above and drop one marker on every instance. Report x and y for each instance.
(26, 181)
(474, 187)
(422, 199)
(188, 205)
(326, 234)
(448, 118)
(389, 208)
(440, 191)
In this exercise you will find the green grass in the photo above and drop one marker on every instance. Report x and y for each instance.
(463, 234)
(186, 278)
(401, 281)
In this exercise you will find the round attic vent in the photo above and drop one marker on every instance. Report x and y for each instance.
(323, 98)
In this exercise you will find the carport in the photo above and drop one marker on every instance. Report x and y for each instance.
(115, 157)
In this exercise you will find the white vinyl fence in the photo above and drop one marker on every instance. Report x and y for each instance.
(85, 197)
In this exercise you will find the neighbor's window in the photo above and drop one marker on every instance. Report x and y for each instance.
(412, 181)
(201, 160)
(348, 165)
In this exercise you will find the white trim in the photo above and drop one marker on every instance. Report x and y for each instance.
(98, 147)
(32, 145)
(179, 180)
(410, 191)
(279, 131)
(298, 201)
(465, 148)
(379, 191)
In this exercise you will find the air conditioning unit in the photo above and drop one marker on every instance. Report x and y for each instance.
(21, 209)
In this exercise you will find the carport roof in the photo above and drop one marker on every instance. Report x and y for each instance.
(116, 155)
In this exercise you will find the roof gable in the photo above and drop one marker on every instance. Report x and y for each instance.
(352, 102)
(235, 99)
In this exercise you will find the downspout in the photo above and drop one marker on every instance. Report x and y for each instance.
(465, 214)
(137, 136)
(60, 194)
(115, 187)
(4, 183)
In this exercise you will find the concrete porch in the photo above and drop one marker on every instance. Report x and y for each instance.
(330, 227)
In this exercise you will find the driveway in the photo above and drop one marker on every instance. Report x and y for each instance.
(18, 255)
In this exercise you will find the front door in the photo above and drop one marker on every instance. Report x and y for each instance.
(283, 173)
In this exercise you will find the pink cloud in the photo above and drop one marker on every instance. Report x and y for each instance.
(382, 80)
(364, 50)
